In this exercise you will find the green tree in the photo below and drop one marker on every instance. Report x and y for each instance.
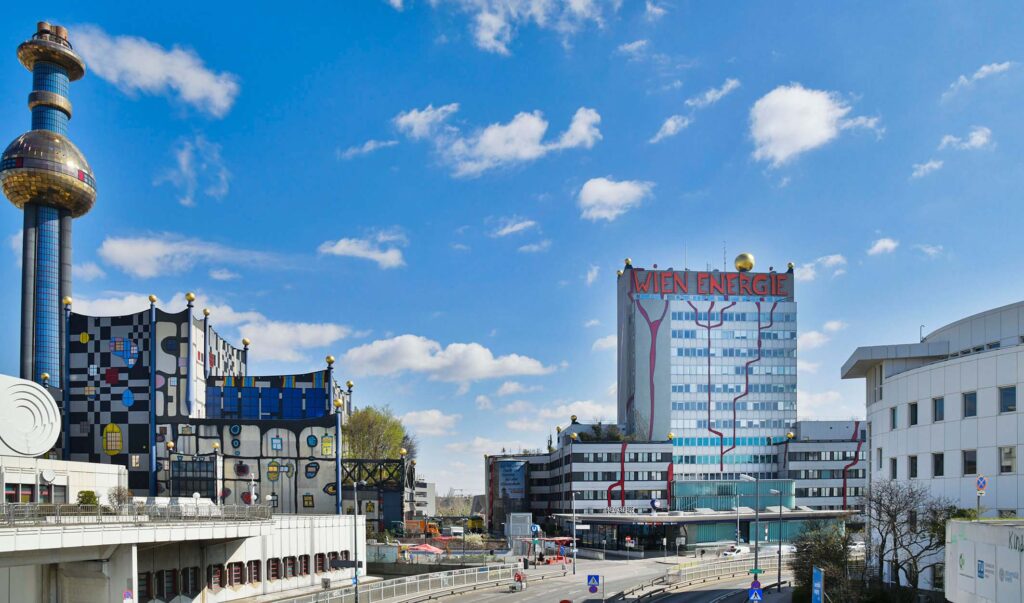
(87, 497)
(823, 544)
(373, 433)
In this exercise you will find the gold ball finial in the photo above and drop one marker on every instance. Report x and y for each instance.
(206, 311)
(629, 261)
(338, 403)
(413, 462)
(573, 418)
(245, 341)
(152, 298)
(790, 265)
(45, 377)
(671, 436)
(190, 297)
(789, 435)
(573, 436)
(67, 300)
(618, 273)
(558, 429)
(350, 384)
(329, 359)
(216, 446)
(744, 262)
(170, 444)
(403, 452)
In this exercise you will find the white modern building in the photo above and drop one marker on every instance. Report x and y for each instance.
(827, 460)
(710, 356)
(988, 560)
(944, 410)
(424, 498)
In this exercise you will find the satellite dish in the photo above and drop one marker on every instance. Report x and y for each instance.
(48, 475)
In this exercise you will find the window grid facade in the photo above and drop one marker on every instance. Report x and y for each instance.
(47, 294)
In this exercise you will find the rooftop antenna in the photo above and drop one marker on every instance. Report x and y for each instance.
(920, 333)
(725, 263)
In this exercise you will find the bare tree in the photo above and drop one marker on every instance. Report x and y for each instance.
(911, 527)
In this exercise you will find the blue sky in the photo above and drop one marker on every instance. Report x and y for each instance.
(439, 193)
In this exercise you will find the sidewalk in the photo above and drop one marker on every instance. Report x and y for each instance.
(305, 590)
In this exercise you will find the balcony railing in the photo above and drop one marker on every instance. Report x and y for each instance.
(42, 514)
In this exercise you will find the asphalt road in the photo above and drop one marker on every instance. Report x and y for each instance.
(616, 575)
(709, 593)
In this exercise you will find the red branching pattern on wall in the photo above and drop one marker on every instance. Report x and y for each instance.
(709, 326)
(621, 484)
(856, 456)
(653, 358)
(671, 469)
(746, 370)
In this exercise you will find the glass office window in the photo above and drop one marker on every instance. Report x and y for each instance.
(970, 458)
(1007, 459)
(938, 409)
(938, 464)
(250, 403)
(892, 418)
(970, 404)
(892, 468)
(1008, 399)
(912, 466)
(913, 413)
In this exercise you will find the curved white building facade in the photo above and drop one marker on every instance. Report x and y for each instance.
(948, 409)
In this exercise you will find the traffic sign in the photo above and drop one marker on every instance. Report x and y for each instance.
(582, 526)
(981, 493)
(535, 528)
(755, 594)
(756, 571)
(755, 584)
(561, 550)
(982, 483)
(593, 589)
(593, 580)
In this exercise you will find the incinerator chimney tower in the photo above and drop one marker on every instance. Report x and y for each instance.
(46, 176)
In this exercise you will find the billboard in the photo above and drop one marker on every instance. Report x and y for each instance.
(512, 480)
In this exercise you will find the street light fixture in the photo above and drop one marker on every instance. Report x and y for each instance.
(757, 514)
(572, 438)
(779, 580)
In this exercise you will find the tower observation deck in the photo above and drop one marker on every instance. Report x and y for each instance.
(47, 177)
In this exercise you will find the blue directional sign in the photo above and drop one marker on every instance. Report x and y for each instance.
(534, 528)
(561, 550)
(593, 580)
(817, 585)
(982, 482)
(755, 594)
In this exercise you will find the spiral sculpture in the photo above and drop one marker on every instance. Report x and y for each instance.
(31, 419)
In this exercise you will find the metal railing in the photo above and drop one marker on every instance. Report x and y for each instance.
(36, 514)
(413, 587)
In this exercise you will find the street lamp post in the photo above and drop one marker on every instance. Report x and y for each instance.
(572, 438)
(737, 517)
(757, 514)
(355, 533)
(779, 581)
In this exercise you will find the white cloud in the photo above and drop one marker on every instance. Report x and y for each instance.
(652, 11)
(834, 325)
(135, 64)
(587, 411)
(883, 245)
(671, 126)
(537, 247)
(15, 243)
(828, 405)
(456, 362)
(382, 247)
(483, 402)
(88, 271)
(791, 120)
(460, 247)
(395, 4)
(713, 95)
(430, 422)
(809, 271)
(804, 366)
(811, 339)
(983, 72)
(223, 274)
(592, 273)
(923, 169)
(513, 225)
(480, 445)
(528, 424)
(272, 340)
(634, 49)
(517, 407)
(607, 199)
(149, 256)
(978, 138)
(510, 388)
(521, 140)
(198, 163)
(365, 149)
(604, 343)
(931, 251)
(593, 322)
(495, 23)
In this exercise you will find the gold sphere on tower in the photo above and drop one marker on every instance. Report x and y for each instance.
(216, 446)
(45, 376)
(329, 359)
(152, 298)
(573, 418)
(190, 297)
(618, 272)
(745, 262)
(245, 341)
(206, 311)
(671, 436)
(67, 300)
(338, 403)
(558, 429)
(403, 452)
(790, 265)
(790, 436)
(170, 444)
(350, 384)
(629, 261)
(573, 436)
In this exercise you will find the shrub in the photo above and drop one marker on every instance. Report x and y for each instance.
(87, 497)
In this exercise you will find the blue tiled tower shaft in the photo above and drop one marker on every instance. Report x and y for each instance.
(48, 178)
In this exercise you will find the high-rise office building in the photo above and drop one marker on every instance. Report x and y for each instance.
(711, 357)
(48, 178)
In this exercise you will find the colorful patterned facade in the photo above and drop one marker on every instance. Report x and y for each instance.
(139, 382)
